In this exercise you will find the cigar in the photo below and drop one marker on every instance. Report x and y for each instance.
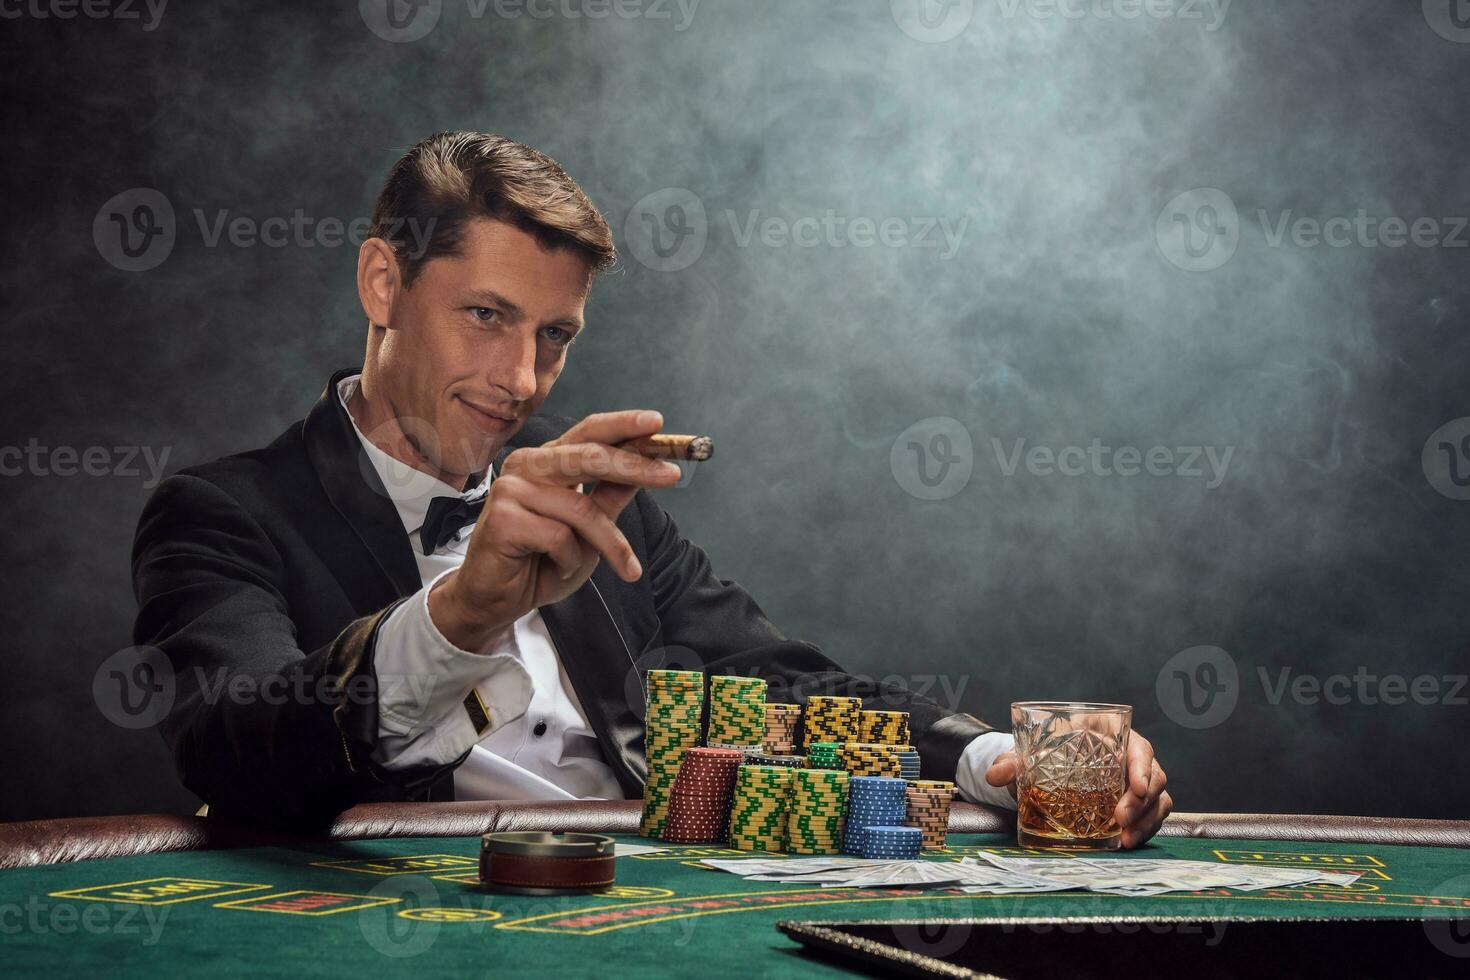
(667, 446)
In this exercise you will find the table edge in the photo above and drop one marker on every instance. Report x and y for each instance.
(39, 842)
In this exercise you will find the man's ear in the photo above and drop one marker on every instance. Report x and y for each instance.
(378, 280)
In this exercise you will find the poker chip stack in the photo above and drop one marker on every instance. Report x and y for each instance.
(884, 727)
(823, 755)
(814, 820)
(759, 811)
(865, 759)
(831, 719)
(908, 762)
(699, 806)
(891, 843)
(737, 711)
(781, 722)
(784, 761)
(928, 809)
(673, 708)
(872, 801)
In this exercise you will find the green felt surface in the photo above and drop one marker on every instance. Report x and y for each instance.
(666, 916)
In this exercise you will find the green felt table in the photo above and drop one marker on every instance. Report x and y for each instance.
(360, 908)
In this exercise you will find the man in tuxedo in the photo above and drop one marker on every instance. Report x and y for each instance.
(425, 589)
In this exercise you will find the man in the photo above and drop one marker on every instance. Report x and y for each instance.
(424, 590)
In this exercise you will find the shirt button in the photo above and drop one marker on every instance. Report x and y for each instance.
(540, 729)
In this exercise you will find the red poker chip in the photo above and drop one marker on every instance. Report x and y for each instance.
(705, 778)
(681, 806)
(697, 804)
(702, 792)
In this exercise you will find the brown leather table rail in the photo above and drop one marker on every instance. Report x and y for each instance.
(33, 842)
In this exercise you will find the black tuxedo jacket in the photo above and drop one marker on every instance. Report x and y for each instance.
(264, 576)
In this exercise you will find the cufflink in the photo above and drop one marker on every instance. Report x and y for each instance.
(479, 712)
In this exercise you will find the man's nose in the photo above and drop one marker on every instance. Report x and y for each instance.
(515, 370)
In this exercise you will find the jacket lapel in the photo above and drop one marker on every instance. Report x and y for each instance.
(599, 662)
(355, 489)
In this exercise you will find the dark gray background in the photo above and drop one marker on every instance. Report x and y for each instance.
(1058, 319)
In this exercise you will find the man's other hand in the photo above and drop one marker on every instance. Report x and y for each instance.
(1144, 804)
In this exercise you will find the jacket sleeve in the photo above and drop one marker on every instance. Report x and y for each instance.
(260, 729)
(723, 625)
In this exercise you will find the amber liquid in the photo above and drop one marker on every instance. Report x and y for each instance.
(1076, 817)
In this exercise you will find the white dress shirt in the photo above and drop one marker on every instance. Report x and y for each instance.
(539, 744)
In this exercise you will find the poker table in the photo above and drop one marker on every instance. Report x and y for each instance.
(394, 886)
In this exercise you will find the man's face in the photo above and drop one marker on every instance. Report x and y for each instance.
(476, 344)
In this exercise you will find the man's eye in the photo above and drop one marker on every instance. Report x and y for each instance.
(483, 313)
(557, 335)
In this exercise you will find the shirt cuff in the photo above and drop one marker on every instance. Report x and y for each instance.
(970, 773)
(423, 681)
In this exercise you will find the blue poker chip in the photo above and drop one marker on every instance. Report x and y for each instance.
(885, 834)
(863, 784)
(890, 845)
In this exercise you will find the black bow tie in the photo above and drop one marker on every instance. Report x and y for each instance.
(446, 516)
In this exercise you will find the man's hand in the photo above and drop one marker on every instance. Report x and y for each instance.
(1145, 803)
(538, 539)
